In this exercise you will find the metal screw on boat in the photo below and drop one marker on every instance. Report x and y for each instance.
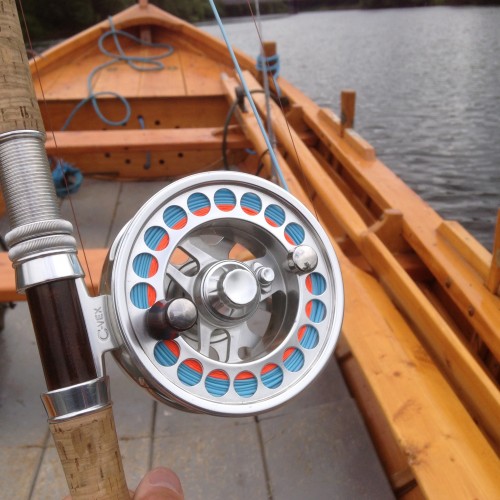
(167, 318)
(302, 259)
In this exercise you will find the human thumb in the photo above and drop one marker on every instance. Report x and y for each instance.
(159, 484)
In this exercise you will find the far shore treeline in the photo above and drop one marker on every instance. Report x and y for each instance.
(53, 19)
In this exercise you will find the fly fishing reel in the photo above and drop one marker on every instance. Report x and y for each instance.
(225, 295)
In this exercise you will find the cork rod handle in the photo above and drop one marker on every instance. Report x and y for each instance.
(88, 449)
(18, 105)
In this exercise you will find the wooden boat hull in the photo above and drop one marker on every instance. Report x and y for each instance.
(420, 344)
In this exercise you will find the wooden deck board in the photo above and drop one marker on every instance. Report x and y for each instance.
(185, 72)
(198, 139)
(63, 83)
(167, 82)
(201, 74)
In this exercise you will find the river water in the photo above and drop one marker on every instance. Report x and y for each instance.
(428, 93)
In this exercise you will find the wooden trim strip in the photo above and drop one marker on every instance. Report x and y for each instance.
(493, 281)
(193, 139)
(184, 139)
(467, 246)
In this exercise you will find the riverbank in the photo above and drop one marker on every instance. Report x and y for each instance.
(54, 20)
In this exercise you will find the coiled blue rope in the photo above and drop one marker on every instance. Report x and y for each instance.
(67, 178)
(139, 63)
(272, 62)
(270, 65)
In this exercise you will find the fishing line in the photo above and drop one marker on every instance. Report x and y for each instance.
(237, 67)
(45, 104)
(301, 169)
(265, 70)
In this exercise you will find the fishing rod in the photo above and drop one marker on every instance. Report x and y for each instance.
(222, 295)
(43, 252)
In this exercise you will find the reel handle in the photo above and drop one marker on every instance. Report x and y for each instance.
(88, 450)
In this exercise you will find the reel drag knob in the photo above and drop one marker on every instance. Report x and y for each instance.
(167, 318)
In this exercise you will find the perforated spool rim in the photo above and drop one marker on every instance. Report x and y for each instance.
(149, 373)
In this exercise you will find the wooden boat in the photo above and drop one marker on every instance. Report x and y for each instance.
(420, 346)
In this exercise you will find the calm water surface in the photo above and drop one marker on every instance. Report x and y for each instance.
(428, 93)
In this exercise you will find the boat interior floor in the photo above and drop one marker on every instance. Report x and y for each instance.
(316, 446)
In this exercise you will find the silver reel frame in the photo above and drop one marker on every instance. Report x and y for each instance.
(234, 384)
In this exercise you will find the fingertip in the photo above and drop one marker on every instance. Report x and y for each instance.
(160, 483)
(162, 476)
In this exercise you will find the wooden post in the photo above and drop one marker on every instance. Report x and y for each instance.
(269, 48)
(493, 283)
(145, 31)
(347, 110)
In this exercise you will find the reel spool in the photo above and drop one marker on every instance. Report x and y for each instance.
(225, 295)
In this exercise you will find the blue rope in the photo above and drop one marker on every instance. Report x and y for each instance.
(272, 62)
(271, 65)
(139, 63)
(73, 176)
(272, 154)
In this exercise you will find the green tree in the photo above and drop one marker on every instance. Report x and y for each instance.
(105, 8)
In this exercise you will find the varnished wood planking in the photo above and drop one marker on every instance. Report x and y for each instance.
(201, 74)
(467, 246)
(63, 82)
(172, 112)
(168, 81)
(143, 140)
(493, 281)
(432, 427)
(132, 165)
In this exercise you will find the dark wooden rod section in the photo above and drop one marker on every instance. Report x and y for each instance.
(61, 334)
